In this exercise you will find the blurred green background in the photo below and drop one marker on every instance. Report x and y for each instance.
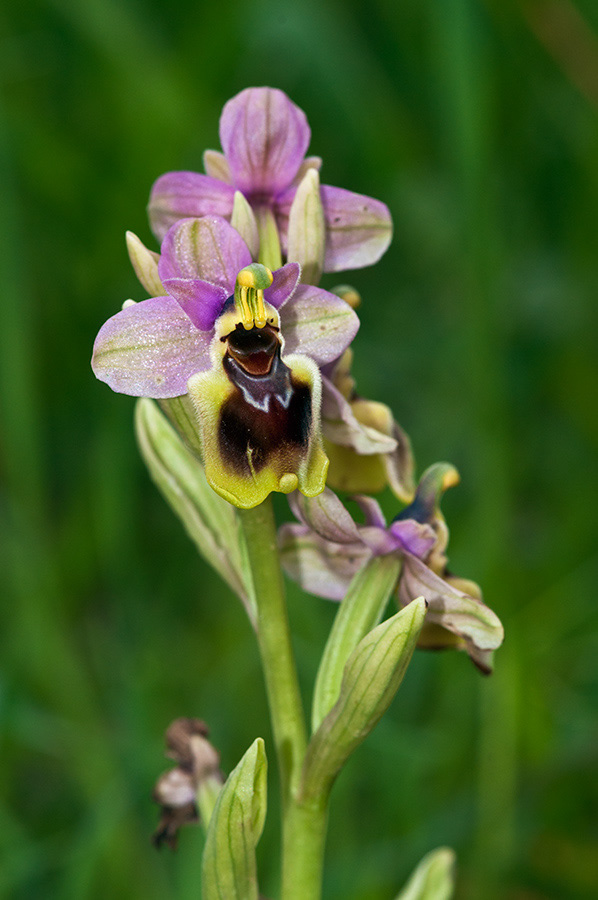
(477, 122)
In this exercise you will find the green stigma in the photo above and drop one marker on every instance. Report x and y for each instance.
(252, 281)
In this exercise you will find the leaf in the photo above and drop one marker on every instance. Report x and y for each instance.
(371, 678)
(359, 612)
(229, 868)
(433, 879)
(210, 521)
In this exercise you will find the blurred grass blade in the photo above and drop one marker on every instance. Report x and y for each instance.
(229, 867)
(210, 521)
(359, 612)
(433, 879)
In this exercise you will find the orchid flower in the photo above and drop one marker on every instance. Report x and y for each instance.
(265, 137)
(328, 548)
(245, 343)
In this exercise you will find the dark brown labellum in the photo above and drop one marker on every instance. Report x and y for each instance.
(267, 415)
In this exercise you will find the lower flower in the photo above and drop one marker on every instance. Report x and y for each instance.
(327, 549)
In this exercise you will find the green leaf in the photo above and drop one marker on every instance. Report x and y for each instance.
(371, 678)
(433, 879)
(181, 413)
(210, 521)
(229, 868)
(359, 612)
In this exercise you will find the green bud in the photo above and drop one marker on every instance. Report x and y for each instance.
(307, 229)
(145, 263)
(210, 521)
(216, 166)
(243, 219)
(229, 866)
(349, 294)
(359, 612)
(371, 678)
(433, 879)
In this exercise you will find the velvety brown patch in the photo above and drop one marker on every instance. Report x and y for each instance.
(254, 349)
(264, 417)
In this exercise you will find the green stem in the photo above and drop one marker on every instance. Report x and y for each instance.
(274, 639)
(303, 849)
(303, 824)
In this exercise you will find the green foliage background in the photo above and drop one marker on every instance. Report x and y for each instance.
(476, 121)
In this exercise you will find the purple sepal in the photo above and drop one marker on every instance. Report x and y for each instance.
(317, 323)
(150, 349)
(181, 195)
(358, 229)
(321, 568)
(264, 137)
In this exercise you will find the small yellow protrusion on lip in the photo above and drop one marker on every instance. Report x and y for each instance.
(287, 483)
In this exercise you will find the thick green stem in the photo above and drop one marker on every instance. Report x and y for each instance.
(274, 639)
(303, 849)
(303, 824)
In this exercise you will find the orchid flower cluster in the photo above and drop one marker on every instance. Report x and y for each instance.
(243, 366)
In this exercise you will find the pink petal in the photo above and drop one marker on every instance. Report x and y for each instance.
(358, 228)
(200, 300)
(341, 427)
(285, 281)
(264, 137)
(371, 509)
(208, 248)
(150, 349)
(178, 195)
(412, 536)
